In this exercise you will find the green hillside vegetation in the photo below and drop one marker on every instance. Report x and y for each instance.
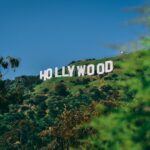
(97, 112)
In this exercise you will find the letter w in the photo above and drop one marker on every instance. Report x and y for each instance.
(81, 70)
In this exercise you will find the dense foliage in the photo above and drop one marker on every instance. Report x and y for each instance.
(98, 112)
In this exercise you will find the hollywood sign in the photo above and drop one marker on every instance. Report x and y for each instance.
(81, 70)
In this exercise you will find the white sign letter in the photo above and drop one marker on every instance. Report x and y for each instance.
(100, 68)
(43, 75)
(70, 70)
(109, 66)
(90, 70)
(49, 73)
(56, 72)
(81, 70)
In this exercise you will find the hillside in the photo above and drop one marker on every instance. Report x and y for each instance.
(52, 114)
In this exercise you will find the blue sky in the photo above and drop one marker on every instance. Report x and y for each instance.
(49, 33)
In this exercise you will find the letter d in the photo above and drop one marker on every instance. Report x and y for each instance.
(109, 66)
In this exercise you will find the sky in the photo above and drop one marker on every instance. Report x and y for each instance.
(51, 33)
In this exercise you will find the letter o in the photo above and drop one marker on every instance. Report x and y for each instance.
(100, 68)
(90, 70)
(49, 73)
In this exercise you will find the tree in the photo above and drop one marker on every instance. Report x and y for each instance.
(61, 89)
(8, 63)
(128, 127)
(5, 64)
